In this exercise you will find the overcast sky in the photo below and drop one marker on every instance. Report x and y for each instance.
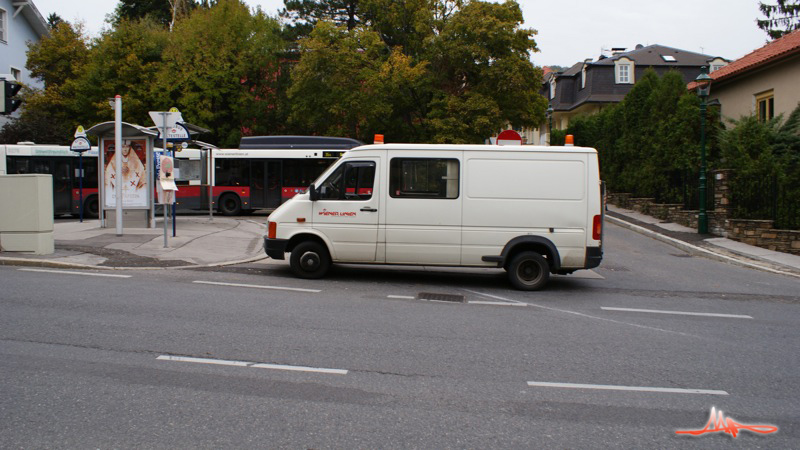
(569, 31)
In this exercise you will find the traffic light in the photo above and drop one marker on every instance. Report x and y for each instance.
(8, 103)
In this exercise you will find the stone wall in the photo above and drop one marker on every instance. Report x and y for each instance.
(754, 232)
(761, 234)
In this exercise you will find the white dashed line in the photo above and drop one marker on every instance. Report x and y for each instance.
(625, 388)
(478, 302)
(405, 297)
(70, 272)
(255, 365)
(683, 313)
(257, 286)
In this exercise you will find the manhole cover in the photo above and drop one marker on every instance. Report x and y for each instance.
(432, 296)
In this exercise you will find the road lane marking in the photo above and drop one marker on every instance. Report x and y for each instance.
(258, 286)
(626, 388)
(588, 316)
(223, 362)
(404, 297)
(300, 368)
(502, 299)
(683, 313)
(479, 302)
(70, 272)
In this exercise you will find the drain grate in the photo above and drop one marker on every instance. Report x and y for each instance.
(432, 296)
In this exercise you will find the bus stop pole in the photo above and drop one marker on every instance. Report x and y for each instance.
(164, 152)
(118, 159)
(80, 186)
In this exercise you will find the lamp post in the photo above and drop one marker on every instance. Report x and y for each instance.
(703, 88)
(549, 114)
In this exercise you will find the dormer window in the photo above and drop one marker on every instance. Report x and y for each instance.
(552, 88)
(623, 71)
(583, 76)
(716, 64)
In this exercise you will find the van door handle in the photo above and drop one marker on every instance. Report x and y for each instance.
(368, 209)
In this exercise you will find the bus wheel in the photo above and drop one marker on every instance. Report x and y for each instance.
(529, 271)
(230, 205)
(91, 207)
(310, 260)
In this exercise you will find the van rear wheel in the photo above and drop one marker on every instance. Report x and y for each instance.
(529, 271)
(310, 260)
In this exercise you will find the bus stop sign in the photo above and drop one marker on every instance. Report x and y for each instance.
(80, 144)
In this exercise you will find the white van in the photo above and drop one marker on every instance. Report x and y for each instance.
(531, 210)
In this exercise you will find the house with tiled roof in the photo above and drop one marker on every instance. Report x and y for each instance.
(765, 82)
(591, 85)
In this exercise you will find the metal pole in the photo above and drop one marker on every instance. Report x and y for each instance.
(164, 207)
(80, 186)
(702, 219)
(118, 159)
(210, 163)
(164, 152)
(173, 200)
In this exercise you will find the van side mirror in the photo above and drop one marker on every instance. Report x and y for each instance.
(313, 195)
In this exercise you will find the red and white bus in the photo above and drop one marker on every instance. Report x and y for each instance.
(263, 173)
(63, 164)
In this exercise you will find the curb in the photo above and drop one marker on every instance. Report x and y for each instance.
(695, 250)
(31, 262)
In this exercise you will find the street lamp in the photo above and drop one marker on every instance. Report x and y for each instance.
(703, 88)
(549, 114)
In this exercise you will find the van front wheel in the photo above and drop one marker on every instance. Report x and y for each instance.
(310, 260)
(529, 271)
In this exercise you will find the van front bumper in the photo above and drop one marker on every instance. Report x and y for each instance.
(275, 248)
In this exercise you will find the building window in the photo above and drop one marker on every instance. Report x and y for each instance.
(716, 64)
(552, 88)
(765, 106)
(583, 77)
(16, 73)
(3, 26)
(623, 69)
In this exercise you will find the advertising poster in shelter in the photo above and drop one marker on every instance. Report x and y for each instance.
(132, 178)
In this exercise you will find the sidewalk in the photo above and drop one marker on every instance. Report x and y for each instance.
(204, 242)
(200, 242)
(721, 249)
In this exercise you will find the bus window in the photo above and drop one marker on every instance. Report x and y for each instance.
(301, 173)
(187, 170)
(232, 172)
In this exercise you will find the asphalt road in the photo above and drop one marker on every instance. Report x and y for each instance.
(249, 356)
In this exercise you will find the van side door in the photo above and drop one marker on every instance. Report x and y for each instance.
(423, 208)
(346, 211)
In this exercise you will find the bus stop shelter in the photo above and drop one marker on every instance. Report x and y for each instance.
(135, 179)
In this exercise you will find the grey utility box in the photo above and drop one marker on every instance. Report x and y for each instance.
(26, 214)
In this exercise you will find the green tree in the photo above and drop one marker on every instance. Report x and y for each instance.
(124, 61)
(303, 15)
(225, 78)
(164, 12)
(483, 55)
(780, 18)
(422, 71)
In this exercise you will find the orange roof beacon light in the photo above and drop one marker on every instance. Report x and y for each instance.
(378, 139)
(569, 141)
